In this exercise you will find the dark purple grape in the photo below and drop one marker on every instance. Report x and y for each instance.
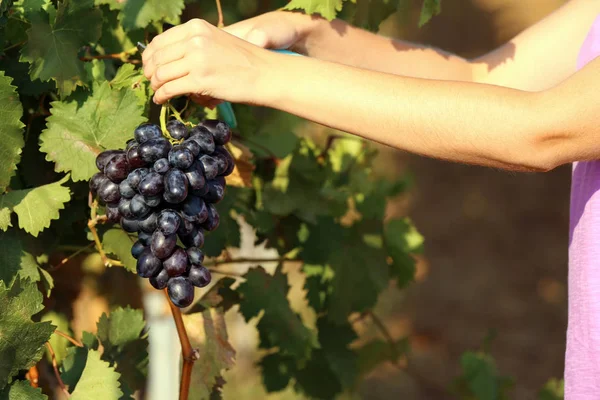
(109, 192)
(204, 138)
(194, 209)
(125, 208)
(192, 146)
(212, 222)
(180, 157)
(168, 221)
(210, 166)
(135, 177)
(163, 245)
(151, 185)
(195, 176)
(103, 158)
(145, 238)
(154, 149)
(200, 192)
(222, 160)
(181, 291)
(126, 190)
(216, 191)
(153, 201)
(117, 168)
(160, 281)
(176, 186)
(177, 129)
(162, 166)
(199, 276)
(96, 181)
(112, 214)
(139, 208)
(222, 152)
(130, 225)
(134, 159)
(177, 263)
(130, 143)
(147, 131)
(219, 129)
(194, 239)
(137, 249)
(149, 223)
(147, 264)
(185, 227)
(195, 255)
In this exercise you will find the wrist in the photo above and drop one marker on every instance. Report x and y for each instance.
(272, 83)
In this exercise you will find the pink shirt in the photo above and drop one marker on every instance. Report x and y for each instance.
(582, 364)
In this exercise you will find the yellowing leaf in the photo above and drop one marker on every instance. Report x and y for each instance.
(242, 174)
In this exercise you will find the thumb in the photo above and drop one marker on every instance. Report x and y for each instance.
(257, 37)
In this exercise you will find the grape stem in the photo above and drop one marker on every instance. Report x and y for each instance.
(188, 354)
(67, 259)
(56, 373)
(69, 338)
(94, 220)
(220, 23)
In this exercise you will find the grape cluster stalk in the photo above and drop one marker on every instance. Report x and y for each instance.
(164, 188)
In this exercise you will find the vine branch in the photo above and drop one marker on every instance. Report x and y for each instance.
(220, 23)
(188, 354)
(67, 259)
(214, 263)
(69, 338)
(56, 373)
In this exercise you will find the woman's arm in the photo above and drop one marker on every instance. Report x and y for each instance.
(537, 58)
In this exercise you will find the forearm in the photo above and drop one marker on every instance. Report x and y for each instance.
(342, 43)
(462, 122)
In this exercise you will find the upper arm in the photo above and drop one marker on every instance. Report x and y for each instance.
(543, 55)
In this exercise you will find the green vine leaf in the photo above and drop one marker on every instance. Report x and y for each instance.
(15, 260)
(430, 9)
(11, 132)
(98, 381)
(22, 390)
(327, 8)
(36, 207)
(116, 241)
(76, 135)
(53, 44)
(23, 340)
(139, 13)
(402, 240)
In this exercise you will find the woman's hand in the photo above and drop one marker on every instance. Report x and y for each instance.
(211, 65)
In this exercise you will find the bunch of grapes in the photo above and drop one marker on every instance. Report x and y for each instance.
(165, 190)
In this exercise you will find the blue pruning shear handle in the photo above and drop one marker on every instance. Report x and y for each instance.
(224, 109)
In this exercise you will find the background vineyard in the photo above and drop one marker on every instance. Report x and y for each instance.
(338, 340)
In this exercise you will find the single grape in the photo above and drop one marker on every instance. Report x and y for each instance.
(160, 281)
(130, 143)
(195, 176)
(109, 192)
(194, 209)
(192, 146)
(103, 158)
(117, 168)
(148, 264)
(145, 238)
(212, 222)
(204, 138)
(194, 239)
(96, 181)
(200, 192)
(113, 214)
(125, 208)
(221, 151)
(154, 149)
(180, 157)
(219, 129)
(177, 263)
(137, 249)
(210, 166)
(195, 255)
(126, 190)
(222, 161)
(133, 157)
(168, 221)
(146, 132)
(176, 186)
(163, 245)
(185, 227)
(199, 276)
(135, 177)
(181, 291)
(177, 129)
(149, 223)
(153, 201)
(130, 225)
(162, 166)
(151, 185)
(139, 208)
(216, 191)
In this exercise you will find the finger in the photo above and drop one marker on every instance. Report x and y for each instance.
(164, 56)
(249, 33)
(169, 72)
(174, 35)
(205, 101)
(173, 88)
